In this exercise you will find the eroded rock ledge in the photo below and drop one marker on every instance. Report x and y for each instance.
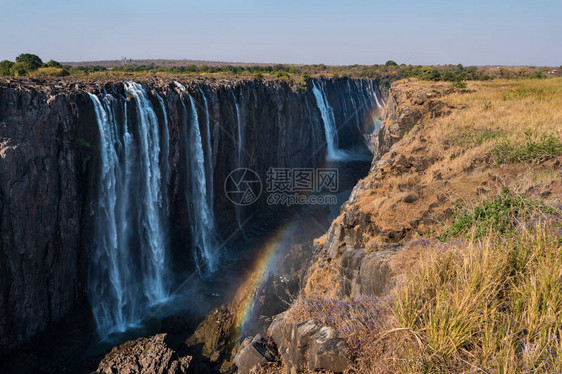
(144, 356)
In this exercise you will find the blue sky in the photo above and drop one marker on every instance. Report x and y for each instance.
(289, 31)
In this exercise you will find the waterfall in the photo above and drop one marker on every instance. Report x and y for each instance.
(239, 131)
(239, 164)
(128, 270)
(113, 306)
(153, 256)
(209, 153)
(203, 221)
(329, 122)
(166, 142)
(368, 93)
(128, 264)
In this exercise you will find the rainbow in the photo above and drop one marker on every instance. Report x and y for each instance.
(268, 257)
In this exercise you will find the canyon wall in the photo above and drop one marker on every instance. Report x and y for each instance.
(50, 162)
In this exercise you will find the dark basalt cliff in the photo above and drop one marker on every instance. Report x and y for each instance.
(49, 162)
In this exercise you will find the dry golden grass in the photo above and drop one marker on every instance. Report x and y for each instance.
(508, 107)
(48, 72)
(492, 305)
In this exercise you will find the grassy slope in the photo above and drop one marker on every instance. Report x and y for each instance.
(486, 301)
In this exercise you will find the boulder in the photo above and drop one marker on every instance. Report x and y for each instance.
(308, 345)
(253, 353)
(145, 355)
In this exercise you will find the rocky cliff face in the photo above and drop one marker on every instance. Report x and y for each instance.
(362, 250)
(49, 174)
(41, 206)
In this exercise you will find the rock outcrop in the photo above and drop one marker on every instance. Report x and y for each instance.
(252, 353)
(308, 346)
(144, 356)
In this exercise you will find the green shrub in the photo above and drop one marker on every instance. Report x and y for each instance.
(258, 76)
(303, 87)
(283, 76)
(534, 149)
(53, 64)
(83, 143)
(499, 215)
(20, 69)
(32, 61)
(459, 84)
(471, 137)
(538, 75)
(5, 67)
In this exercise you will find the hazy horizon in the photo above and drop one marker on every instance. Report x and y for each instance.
(313, 32)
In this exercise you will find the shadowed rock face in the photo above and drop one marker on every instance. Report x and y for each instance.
(42, 198)
(49, 162)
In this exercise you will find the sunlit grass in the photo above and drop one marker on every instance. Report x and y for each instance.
(492, 304)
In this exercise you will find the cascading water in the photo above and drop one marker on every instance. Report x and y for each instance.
(113, 305)
(128, 269)
(209, 153)
(203, 220)
(153, 251)
(334, 154)
(239, 163)
(128, 265)
(165, 145)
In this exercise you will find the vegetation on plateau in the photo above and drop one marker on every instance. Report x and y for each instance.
(31, 65)
(28, 64)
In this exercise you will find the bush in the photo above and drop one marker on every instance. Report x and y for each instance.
(283, 76)
(5, 67)
(534, 149)
(258, 76)
(303, 87)
(538, 75)
(53, 64)
(459, 84)
(502, 214)
(20, 69)
(32, 61)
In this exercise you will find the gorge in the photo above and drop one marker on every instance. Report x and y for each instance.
(112, 197)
